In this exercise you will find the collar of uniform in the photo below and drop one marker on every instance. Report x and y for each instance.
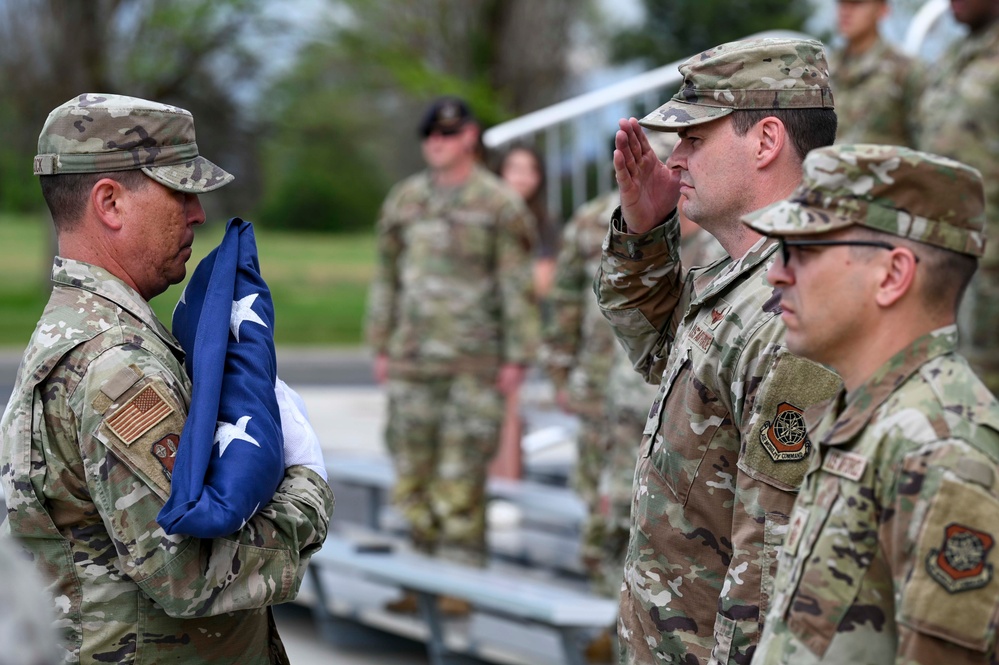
(80, 275)
(711, 283)
(860, 405)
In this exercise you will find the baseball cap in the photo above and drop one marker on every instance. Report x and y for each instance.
(904, 192)
(94, 133)
(748, 74)
(446, 115)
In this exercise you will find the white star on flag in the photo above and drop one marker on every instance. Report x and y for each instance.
(242, 310)
(226, 433)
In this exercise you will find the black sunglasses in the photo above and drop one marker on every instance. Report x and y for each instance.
(785, 253)
(443, 131)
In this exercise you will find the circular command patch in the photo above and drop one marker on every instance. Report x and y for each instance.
(784, 436)
(960, 564)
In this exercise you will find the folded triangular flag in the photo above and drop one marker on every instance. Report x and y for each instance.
(231, 454)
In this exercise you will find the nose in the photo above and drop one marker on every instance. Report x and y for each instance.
(678, 158)
(778, 274)
(195, 213)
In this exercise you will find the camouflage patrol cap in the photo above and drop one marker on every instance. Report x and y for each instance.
(749, 74)
(446, 115)
(900, 191)
(94, 133)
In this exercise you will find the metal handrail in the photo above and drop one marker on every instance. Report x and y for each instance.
(577, 134)
(585, 124)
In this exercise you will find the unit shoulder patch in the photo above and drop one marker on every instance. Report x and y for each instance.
(784, 436)
(165, 451)
(960, 563)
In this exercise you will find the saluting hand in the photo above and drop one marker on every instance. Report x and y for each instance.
(649, 189)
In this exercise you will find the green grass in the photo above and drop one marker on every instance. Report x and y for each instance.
(319, 282)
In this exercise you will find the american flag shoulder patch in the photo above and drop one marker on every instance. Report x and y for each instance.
(139, 414)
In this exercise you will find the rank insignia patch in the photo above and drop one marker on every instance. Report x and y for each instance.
(784, 436)
(960, 563)
(165, 451)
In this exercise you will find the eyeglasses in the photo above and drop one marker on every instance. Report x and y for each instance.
(442, 131)
(785, 244)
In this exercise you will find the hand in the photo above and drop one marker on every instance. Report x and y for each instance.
(510, 377)
(301, 444)
(381, 368)
(649, 189)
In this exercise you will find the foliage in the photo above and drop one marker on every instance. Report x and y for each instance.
(676, 29)
(198, 54)
(343, 120)
(319, 282)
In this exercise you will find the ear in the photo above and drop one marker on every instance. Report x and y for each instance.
(898, 277)
(772, 137)
(107, 200)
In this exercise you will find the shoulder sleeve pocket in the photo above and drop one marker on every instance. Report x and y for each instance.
(143, 426)
(952, 592)
(777, 449)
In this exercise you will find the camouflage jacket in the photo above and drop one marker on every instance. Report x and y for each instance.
(453, 288)
(958, 118)
(628, 395)
(890, 556)
(723, 451)
(876, 96)
(578, 345)
(87, 440)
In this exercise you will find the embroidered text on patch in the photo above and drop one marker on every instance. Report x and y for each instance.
(139, 414)
(960, 562)
(845, 464)
(784, 437)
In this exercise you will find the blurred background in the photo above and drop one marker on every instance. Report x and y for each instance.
(313, 105)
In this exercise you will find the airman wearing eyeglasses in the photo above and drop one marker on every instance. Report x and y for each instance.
(890, 552)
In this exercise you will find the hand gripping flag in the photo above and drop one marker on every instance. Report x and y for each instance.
(231, 454)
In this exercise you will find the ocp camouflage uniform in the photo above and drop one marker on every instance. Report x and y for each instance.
(451, 302)
(889, 555)
(577, 353)
(958, 119)
(627, 398)
(876, 95)
(724, 447)
(891, 538)
(88, 440)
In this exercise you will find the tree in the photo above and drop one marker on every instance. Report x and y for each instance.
(675, 29)
(199, 54)
(345, 120)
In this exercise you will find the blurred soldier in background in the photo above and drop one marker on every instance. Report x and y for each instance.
(101, 397)
(452, 320)
(958, 117)
(26, 630)
(723, 451)
(876, 87)
(890, 553)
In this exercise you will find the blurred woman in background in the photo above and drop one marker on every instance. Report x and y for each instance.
(523, 169)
